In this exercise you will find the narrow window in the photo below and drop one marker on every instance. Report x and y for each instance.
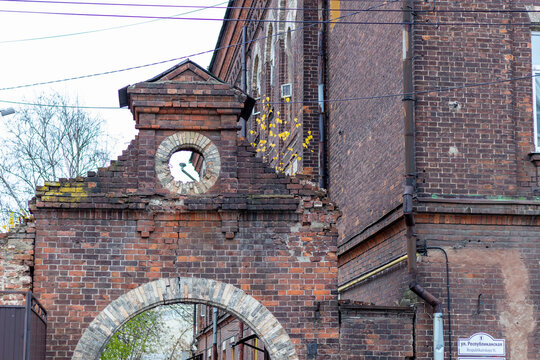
(270, 52)
(535, 45)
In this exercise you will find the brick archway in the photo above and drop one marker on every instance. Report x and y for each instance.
(193, 290)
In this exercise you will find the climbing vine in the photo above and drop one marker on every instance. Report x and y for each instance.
(277, 129)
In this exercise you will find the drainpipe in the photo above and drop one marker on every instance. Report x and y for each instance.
(244, 78)
(214, 334)
(321, 66)
(410, 182)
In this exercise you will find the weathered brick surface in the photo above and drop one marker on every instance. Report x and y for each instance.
(365, 137)
(475, 176)
(376, 332)
(494, 281)
(293, 60)
(475, 140)
(164, 291)
(267, 235)
(16, 261)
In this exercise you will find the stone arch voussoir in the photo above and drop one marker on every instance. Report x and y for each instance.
(193, 290)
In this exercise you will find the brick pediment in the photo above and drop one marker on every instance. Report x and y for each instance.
(184, 90)
(186, 71)
(183, 109)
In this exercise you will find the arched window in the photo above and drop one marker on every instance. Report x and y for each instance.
(288, 55)
(256, 79)
(270, 52)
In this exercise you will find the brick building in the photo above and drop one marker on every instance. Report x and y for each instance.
(436, 102)
(256, 244)
(233, 339)
(420, 120)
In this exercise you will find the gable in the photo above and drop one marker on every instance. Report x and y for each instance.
(186, 71)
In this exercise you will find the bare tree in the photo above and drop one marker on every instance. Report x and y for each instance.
(46, 141)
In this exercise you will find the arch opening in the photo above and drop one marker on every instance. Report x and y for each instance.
(185, 290)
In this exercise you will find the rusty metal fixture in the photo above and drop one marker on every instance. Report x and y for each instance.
(240, 336)
(410, 181)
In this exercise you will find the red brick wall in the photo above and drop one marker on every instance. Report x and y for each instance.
(474, 141)
(296, 63)
(376, 333)
(86, 259)
(271, 236)
(370, 253)
(471, 143)
(494, 278)
(494, 281)
(16, 261)
(365, 137)
(227, 329)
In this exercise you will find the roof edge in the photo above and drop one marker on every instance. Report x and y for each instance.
(226, 16)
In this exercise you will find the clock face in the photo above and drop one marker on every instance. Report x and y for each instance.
(187, 163)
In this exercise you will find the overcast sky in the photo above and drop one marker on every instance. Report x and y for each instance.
(107, 43)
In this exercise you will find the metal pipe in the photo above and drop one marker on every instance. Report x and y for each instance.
(195, 329)
(321, 67)
(244, 74)
(243, 121)
(240, 336)
(438, 337)
(214, 334)
(447, 296)
(408, 91)
(371, 273)
(410, 181)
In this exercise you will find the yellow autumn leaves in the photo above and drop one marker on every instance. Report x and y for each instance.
(270, 124)
(14, 220)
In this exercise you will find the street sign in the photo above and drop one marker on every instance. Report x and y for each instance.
(481, 344)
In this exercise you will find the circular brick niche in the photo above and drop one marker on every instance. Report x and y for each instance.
(190, 290)
(191, 141)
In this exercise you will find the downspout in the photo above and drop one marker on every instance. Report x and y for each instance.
(321, 67)
(410, 182)
(214, 334)
(244, 78)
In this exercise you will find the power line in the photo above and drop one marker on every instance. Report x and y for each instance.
(173, 59)
(438, 23)
(434, 90)
(62, 106)
(360, 98)
(106, 29)
(272, 8)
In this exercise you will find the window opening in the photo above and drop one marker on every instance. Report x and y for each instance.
(270, 52)
(187, 165)
(255, 84)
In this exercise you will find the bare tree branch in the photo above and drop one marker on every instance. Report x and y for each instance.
(44, 143)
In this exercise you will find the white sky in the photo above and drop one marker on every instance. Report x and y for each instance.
(26, 62)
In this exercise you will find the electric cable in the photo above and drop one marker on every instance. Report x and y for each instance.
(62, 106)
(267, 20)
(173, 59)
(434, 90)
(105, 29)
(447, 295)
(53, 2)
